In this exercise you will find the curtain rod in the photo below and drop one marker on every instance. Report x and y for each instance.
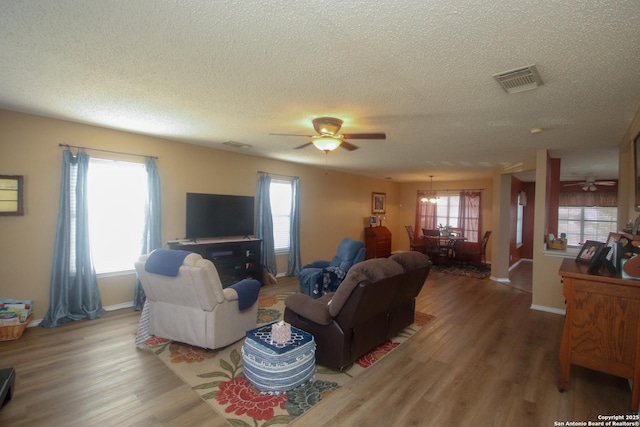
(278, 174)
(106, 151)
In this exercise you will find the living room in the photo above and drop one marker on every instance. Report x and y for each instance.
(335, 202)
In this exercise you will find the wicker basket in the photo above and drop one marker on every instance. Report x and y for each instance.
(560, 244)
(13, 332)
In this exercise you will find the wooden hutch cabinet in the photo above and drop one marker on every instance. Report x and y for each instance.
(377, 241)
(601, 326)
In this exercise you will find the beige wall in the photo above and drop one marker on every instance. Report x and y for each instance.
(333, 205)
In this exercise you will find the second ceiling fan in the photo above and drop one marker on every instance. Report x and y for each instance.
(590, 183)
(328, 138)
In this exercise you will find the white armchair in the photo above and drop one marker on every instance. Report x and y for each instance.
(191, 306)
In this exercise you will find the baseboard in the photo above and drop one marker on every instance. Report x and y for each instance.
(500, 279)
(548, 309)
(128, 304)
(521, 260)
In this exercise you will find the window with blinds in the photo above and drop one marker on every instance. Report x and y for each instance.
(280, 195)
(117, 197)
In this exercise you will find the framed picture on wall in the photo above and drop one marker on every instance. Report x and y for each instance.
(378, 203)
(11, 202)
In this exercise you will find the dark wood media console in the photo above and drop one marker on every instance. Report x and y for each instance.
(235, 259)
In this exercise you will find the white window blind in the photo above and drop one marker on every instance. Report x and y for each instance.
(582, 223)
(117, 196)
(280, 195)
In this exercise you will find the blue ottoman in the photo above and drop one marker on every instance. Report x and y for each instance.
(277, 368)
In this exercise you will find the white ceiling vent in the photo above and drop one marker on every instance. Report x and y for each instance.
(519, 80)
(236, 144)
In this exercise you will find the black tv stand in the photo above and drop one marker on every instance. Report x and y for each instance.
(234, 258)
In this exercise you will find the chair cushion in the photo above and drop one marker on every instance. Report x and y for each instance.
(349, 252)
(410, 260)
(371, 270)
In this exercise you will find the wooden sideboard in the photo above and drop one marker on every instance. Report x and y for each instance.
(601, 326)
(377, 241)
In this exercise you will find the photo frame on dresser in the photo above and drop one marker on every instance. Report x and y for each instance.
(598, 259)
(613, 259)
(588, 251)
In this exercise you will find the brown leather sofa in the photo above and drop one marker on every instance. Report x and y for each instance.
(374, 301)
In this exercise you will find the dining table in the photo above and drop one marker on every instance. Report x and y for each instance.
(448, 245)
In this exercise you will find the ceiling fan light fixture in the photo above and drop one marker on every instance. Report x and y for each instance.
(326, 143)
(327, 126)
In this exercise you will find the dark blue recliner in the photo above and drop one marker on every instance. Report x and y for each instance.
(321, 276)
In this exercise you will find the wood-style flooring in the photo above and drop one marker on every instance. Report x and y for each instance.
(487, 359)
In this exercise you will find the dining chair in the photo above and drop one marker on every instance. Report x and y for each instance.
(430, 232)
(482, 252)
(413, 245)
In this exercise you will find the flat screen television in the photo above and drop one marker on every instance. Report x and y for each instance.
(219, 215)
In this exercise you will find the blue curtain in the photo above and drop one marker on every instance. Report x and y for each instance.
(294, 231)
(152, 234)
(264, 224)
(73, 291)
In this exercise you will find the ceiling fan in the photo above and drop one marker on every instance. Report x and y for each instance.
(590, 183)
(328, 138)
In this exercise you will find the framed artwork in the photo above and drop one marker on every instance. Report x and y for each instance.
(588, 251)
(598, 259)
(11, 196)
(378, 203)
(636, 154)
(613, 260)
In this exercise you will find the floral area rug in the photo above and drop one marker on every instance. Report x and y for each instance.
(477, 271)
(217, 376)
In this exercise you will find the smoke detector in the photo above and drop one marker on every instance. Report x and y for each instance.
(519, 80)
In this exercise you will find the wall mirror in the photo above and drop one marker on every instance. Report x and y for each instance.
(11, 195)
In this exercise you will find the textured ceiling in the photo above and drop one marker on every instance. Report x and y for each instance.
(207, 72)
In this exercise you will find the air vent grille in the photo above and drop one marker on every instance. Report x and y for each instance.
(236, 144)
(519, 80)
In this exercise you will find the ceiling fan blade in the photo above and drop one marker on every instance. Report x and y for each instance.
(348, 146)
(303, 145)
(577, 183)
(605, 183)
(290, 134)
(364, 136)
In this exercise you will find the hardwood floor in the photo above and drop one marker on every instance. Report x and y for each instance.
(486, 359)
(521, 276)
